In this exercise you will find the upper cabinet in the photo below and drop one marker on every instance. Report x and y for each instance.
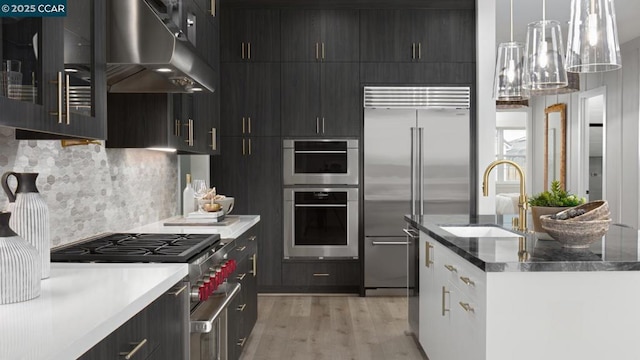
(417, 35)
(53, 75)
(320, 35)
(250, 35)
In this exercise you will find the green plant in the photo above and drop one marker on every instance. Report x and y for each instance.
(556, 197)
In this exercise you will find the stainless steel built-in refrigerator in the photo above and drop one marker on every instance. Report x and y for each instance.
(416, 161)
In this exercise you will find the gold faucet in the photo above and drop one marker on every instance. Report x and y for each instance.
(522, 200)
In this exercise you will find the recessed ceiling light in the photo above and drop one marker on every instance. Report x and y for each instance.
(164, 70)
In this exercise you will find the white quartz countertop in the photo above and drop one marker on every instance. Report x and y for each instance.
(80, 304)
(231, 231)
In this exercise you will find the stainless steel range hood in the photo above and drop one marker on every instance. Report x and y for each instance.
(146, 53)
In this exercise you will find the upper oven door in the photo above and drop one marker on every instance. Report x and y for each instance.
(320, 161)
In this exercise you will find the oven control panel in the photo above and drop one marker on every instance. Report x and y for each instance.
(211, 280)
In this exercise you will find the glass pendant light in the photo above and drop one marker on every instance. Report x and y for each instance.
(544, 64)
(593, 37)
(509, 70)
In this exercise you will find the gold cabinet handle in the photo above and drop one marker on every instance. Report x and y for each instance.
(249, 50)
(252, 238)
(323, 125)
(467, 281)
(178, 292)
(177, 126)
(317, 51)
(58, 112)
(214, 144)
(427, 253)
(317, 125)
(241, 307)
(243, 124)
(249, 123)
(213, 8)
(243, 51)
(321, 274)
(467, 307)
(451, 268)
(444, 302)
(241, 276)
(413, 50)
(241, 342)
(241, 248)
(130, 354)
(249, 146)
(322, 50)
(243, 152)
(419, 50)
(189, 140)
(67, 93)
(254, 260)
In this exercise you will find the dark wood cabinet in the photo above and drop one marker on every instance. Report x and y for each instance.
(251, 94)
(417, 35)
(250, 170)
(250, 35)
(321, 99)
(160, 331)
(320, 35)
(60, 86)
(316, 275)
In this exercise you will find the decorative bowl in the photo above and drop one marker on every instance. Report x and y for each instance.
(575, 234)
(227, 204)
(595, 210)
(208, 205)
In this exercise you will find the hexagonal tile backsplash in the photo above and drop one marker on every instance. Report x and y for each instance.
(90, 189)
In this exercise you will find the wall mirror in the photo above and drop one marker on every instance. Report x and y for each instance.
(555, 131)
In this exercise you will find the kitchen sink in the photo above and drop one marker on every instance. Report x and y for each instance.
(478, 231)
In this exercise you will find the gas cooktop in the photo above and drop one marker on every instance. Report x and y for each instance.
(119, 247)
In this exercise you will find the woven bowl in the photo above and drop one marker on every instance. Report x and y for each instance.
(595, 210)
(575, 234)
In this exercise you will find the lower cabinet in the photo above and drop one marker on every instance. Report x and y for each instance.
(452, 304)
(159, 332)
(330, 276)
(242, 313)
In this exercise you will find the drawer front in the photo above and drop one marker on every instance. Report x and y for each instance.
(470, 280)
(244, 245)
(321, 274)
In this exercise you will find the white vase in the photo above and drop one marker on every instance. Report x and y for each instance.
(30, 216)
(20, 264)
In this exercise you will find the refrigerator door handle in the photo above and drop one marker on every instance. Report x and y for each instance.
(420, 170)
(413, 172)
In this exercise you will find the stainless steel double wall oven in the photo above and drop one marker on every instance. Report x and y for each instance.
(321, 198)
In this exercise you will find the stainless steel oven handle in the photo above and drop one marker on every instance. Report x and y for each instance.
(321, 205)
(204, 326)
(320, 152)
(389, 243)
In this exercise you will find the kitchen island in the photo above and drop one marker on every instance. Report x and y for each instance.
(520, 297)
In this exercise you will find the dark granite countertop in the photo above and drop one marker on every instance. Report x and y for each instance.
(617, 251)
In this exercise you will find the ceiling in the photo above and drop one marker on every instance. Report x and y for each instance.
(526, 11)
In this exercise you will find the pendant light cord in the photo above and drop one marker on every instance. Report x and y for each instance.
(511, 20)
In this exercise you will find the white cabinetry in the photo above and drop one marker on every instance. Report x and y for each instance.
(452, 304)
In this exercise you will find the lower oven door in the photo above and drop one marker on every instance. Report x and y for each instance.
(209, 326)
(321, 222)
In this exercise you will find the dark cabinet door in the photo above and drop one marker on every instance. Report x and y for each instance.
(234, 328)
(233, 99)
(300, 99)
(229, 171)
(340, 35)
(446, 35)
(386, 36)
(250, 35)
(340, 97)
(262, 93)
(206, 113)
(168, 325)
(300, 35)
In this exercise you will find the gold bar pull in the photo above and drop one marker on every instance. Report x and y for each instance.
(321, 274)
(130, 354)
(241, 342)
(249, 123)
(213, 8)
(178, 292)
(419, 50)
(249, 50)
(67, 93)
(243, 153)
(317, 51)
(467, 307)
(444, 302)
(254, 259)
(58, 82)
(451, 268)
(189, 140)
(214, 144)
(413, 50)
(241, 248)
(241, 307)
(467, 281)
(323, 125)
(241, 276)
(242, 50)
(176, 130)
(317, 125)
(249, 146)
(427, 252)
(243, 124)
(322, 50)
(252, 238)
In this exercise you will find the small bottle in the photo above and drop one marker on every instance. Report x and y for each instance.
(188, 198)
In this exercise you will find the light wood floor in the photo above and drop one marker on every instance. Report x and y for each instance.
(331, 327)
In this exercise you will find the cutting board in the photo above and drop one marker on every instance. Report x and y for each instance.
(180, 221)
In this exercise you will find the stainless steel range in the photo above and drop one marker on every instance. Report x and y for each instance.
(209, 269)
